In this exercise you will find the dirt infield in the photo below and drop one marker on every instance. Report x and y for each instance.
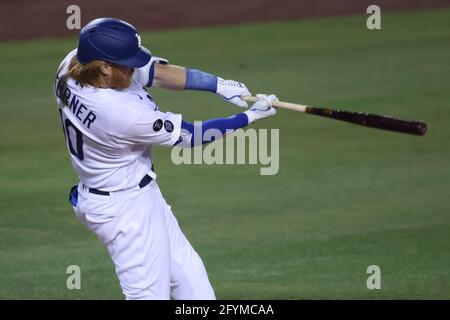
(25, 19)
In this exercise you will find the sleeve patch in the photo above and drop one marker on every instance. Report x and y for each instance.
(158, 124)
(168, 126)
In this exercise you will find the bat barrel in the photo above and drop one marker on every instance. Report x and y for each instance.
(407, 126)
(373, 120)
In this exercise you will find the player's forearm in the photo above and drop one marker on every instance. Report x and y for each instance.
(198, 133)
(169, 76)
(179, 78)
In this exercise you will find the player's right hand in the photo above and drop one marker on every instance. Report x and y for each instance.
(262, 108)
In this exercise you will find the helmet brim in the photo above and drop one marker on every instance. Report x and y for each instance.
(140, 59)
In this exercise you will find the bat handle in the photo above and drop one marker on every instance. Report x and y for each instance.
(279, 104)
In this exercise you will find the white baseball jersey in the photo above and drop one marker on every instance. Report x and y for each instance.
(109, 132)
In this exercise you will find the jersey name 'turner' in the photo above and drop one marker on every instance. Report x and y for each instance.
(71, 100)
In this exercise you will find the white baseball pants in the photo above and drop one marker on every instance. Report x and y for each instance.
(152, 257)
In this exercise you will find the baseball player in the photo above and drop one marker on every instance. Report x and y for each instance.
(110, 123)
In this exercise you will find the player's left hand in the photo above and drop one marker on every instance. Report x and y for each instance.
(232, 91)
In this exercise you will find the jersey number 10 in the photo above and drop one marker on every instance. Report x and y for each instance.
(75, 147)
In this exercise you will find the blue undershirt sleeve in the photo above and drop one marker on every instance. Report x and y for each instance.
(199, 80)
(195, 132)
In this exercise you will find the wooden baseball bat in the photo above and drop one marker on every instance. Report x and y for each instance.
(384, 122)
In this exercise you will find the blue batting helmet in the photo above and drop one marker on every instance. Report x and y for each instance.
(112, 40)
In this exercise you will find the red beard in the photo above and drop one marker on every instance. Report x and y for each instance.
(121, 77)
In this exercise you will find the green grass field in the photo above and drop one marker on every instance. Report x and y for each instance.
(345, 197)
